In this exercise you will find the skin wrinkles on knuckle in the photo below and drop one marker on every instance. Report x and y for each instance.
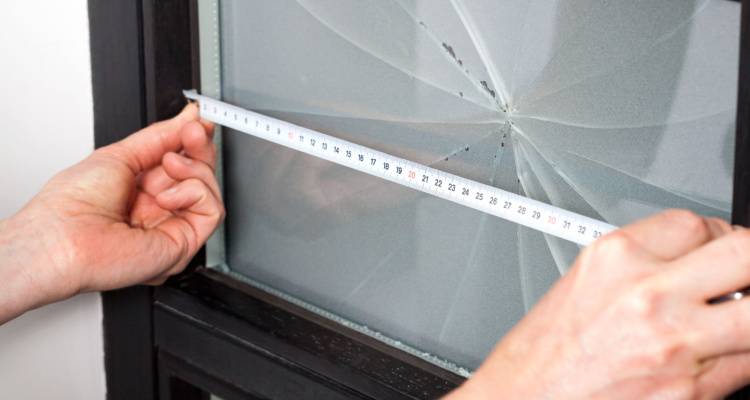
(689, 222)
(174, 268)
(186, 248)
(209, 163)
(200, 195)
(724, 225)
(615, 246)
(205, 203)
(179, 242)
(197, 188)
(182, 254)
(645, 303)
(203, 172)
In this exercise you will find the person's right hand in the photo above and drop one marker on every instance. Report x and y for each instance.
(632, 320)
(133, 212)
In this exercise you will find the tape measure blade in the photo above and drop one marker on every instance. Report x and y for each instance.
(482, 197)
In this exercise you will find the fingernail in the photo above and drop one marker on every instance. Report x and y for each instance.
(170, 191)
(737, 227)
(186, 160)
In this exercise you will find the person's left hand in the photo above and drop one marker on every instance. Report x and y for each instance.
(132, 212)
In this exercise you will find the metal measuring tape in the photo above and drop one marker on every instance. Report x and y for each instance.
(485, 198)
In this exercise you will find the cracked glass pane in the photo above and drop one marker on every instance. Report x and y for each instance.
(614, 110)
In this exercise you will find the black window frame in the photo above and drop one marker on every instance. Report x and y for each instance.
(203, 332)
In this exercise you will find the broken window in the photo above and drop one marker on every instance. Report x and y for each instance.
(614, 110)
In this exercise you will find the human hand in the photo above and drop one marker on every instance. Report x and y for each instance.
(632, 320)
(132, 212)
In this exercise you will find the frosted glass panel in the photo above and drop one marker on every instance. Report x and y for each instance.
(611, 109)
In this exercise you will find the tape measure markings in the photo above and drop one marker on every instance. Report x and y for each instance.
(489, 199)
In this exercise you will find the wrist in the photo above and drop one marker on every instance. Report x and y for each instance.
(30, 273)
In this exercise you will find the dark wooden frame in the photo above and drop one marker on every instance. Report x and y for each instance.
(741, 195)
(203, 332)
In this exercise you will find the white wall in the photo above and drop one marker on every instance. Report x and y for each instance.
(46, 124)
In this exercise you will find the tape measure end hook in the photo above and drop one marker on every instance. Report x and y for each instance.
(191, 95)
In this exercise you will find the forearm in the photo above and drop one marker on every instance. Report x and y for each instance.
(27, 270)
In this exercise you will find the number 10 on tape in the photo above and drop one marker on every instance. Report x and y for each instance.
(500, 203)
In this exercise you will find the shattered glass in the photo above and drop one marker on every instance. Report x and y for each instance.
(612, 109)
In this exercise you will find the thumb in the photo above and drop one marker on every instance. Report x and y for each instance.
(144, 149)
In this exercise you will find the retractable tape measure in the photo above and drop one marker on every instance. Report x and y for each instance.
(500, 203)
